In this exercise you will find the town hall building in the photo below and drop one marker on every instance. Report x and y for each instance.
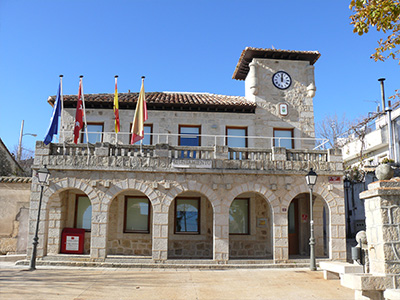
(216, 177)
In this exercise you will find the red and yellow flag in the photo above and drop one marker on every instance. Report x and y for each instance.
(140, 116)
(79, 113)
(116, 107)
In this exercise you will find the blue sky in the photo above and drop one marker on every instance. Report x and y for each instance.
(188, 46)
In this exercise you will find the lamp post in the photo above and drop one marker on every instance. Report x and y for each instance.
(43, 176)
(21, 134)
(346, 184)
(311, 179)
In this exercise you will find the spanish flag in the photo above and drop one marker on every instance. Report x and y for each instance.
(140, 116)
(116, 107)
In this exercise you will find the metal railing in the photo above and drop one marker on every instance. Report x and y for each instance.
(123, 138)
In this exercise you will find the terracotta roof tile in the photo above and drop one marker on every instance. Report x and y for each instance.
(6, 179)
(165, 100)
(242, 67)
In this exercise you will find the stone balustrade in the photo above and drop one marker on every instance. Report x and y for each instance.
(165, 156)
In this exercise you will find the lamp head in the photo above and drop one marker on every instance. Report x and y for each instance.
(43, 175)
(311, 178)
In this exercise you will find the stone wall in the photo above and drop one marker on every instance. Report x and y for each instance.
(14, 214)
(192, 245)
(121, 243)
(258, 244)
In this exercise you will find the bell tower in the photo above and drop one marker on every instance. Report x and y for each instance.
(281, 83)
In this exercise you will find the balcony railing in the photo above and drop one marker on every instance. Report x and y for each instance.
(183, 152)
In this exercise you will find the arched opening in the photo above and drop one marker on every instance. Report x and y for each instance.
(190, 229)
(129, 225)
(299, 226)
(250, 227)
(69, 208)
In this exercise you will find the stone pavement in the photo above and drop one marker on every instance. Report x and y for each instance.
(111, 283)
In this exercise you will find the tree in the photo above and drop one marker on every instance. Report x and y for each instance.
(385, 16)
(26, 160)
(332, 128)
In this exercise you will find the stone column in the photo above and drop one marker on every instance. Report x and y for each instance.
(160, 233)
(221, 234)
(382, 212)
(281, 237)
(54, 236)
(382, 216)
(98, 238)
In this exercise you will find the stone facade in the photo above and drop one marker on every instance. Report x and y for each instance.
(217, 173)
(269, 186)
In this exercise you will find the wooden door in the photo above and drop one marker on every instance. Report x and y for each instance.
(293, 227)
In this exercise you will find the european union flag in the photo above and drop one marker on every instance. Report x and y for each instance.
(53, 128)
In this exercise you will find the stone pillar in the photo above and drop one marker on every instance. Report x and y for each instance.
(54, 235)
(221, 152)
(98, 237)
(382, 212)
(281, 236)
(221, 234)
(278, 153)
(318, 211)
(382, 216)
(160, 233)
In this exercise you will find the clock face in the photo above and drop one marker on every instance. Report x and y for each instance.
(281, 80)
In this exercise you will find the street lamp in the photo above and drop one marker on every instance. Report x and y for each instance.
(311, 179)
(346, 184)
(21, 134)
(43, 176)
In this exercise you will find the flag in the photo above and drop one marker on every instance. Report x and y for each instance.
(53, 127)
(140, 117)
(79, 113)
(116, 108)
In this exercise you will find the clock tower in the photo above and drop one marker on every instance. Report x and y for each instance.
(281, 83)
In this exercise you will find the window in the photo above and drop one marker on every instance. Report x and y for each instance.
(137, 212)
(95, 133)
(189, 135)
(187, 215)
(236, 137)
(239, 216)
(83, 212)
(283, 138)
(148, 137)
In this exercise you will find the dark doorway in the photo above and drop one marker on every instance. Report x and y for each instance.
(293, 218)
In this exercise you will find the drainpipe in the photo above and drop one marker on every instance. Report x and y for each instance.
(388, 111)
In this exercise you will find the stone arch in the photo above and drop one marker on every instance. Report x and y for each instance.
(268, 195)
(53, 211)
(131, 184)
(193, 186)
(318, 190)
(67, 184)
(322, 223)
(260, 241)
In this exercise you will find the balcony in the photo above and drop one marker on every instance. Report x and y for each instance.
(166, 157)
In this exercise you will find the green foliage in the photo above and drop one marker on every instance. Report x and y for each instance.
(387, 161)
(384, 15)
(355, 174)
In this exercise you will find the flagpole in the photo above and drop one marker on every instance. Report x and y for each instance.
(84, 116)
(115, 125)
(62, 112)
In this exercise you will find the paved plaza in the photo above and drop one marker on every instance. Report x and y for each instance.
(111, 283)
